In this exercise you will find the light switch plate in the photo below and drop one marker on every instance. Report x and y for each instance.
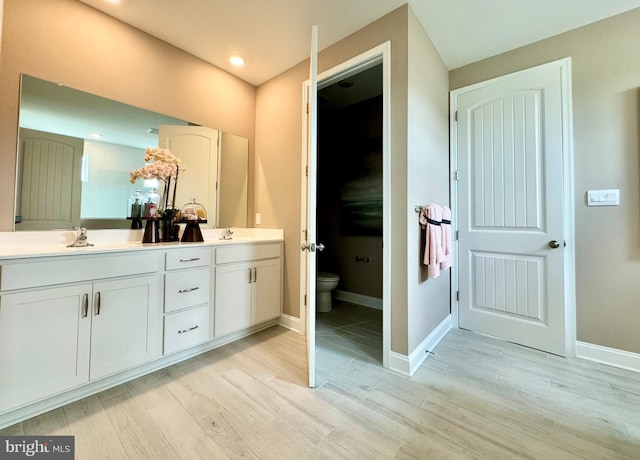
(603, 197)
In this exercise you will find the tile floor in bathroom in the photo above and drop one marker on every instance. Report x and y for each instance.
(349, 329)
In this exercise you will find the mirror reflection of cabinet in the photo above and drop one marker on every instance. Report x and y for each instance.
(232, 180)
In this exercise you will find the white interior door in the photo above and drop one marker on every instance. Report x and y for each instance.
(510, 208)
(309, 181)
(197, 148)
(49, 184)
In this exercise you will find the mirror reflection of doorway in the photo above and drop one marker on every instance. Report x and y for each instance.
(349, 221)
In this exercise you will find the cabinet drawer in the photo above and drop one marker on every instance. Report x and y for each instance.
(186, 328)
(186, 288)
(187, 258)
(22, 275)
(247, 252)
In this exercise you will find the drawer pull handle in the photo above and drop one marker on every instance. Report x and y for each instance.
(182, 291)
(188, 329)
(249, 275)
(192, 259)
(85, 305)
(255, 274)
(98, 303)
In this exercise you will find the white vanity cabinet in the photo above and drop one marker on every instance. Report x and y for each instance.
(187, 281)
(44, 343)
(55, 337)
(77, 321)
(248, 286)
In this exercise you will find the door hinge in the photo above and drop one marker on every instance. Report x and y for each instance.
(456, 175)
(456, 235)
(306, 171)
(457, 296)
(305, 300)
(455, 116)
(307, 107)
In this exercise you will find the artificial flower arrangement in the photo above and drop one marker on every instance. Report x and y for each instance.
(163, 165)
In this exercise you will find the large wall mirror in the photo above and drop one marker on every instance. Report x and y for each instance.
(76, 150)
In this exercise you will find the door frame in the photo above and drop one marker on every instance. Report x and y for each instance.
(374, 56)
(568, 211)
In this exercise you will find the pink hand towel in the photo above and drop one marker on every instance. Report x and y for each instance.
(430, 219)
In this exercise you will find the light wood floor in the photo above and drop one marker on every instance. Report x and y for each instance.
(476, 398)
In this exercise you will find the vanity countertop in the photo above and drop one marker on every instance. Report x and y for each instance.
(16, 245)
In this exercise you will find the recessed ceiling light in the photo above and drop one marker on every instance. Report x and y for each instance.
(96, 135)
(236, 60)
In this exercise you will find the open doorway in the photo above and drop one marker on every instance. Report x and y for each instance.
(312, 246)
(349, 219)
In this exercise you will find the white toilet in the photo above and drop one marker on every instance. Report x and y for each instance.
(325, 283)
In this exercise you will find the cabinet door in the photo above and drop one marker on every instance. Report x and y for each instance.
(232, 298)
(44, 343)
(267, 291)
(126, 324)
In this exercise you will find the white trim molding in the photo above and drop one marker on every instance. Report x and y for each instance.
(359, 299)
(408, 365)
(292, 323)
(609, 356)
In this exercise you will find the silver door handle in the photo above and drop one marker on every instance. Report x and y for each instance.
(311, 247)
(554, 244)
(85, 305)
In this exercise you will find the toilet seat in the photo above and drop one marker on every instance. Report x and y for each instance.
(325, 276)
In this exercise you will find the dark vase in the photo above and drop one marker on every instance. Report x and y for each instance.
(151, 231)
(168, 230)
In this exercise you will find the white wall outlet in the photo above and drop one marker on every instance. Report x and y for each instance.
(603, 197)
(258, 219)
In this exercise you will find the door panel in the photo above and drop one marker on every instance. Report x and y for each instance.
(510, 205)
(197, 148)
(49, 185)
(310, 180)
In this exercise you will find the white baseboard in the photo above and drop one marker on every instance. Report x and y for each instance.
(359, 299)
(291, 322)
(609, 356)
(408, 365)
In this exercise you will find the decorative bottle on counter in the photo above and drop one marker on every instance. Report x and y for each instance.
(135, 209)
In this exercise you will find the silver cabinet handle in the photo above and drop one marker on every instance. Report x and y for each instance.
(85, 305)
(189, 329)
(98, 303)
(255, 274)
(182, 291)
(249, 275)
(192, 259)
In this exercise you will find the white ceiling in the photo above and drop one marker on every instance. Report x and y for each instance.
(274, 35)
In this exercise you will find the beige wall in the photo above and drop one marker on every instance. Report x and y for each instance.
(606, 82)
(427, 177)
(67, 41)
(279, 151)
(414, 143)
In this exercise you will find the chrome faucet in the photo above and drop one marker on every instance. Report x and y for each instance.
(81, 239)
(227, 234)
